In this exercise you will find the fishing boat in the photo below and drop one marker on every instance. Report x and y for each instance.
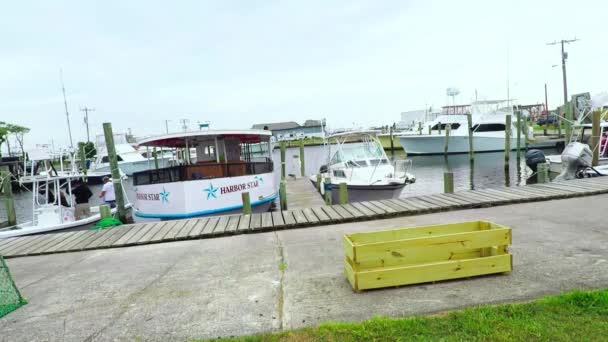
(211, 180)
(130, 160)
(358, 159)
(583, 136)
(53, 206)
(488, 123)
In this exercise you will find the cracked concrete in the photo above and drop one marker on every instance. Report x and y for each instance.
(234, 285)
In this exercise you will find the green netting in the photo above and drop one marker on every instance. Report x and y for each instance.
(10, 298)
(107, 223)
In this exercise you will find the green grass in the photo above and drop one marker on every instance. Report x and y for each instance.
(574, 316)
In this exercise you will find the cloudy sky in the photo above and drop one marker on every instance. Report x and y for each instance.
(236, 63)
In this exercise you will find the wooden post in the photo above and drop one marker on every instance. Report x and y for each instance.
(507, 138)
(283, 195)
(343, 193)
(328, 197)
(448, 182)
(246, 203)
(282, 145)
(439, 127)
(518, 135)
(319, 182)
(123, 215)
(83, 161)
(595, 137)
(7, 191)
(542, 175)
(302, 168)
(470, 129)
(155, 158)
(447, 140)
(569, 115)
(105, 211)
(419, 128)
(390, 133)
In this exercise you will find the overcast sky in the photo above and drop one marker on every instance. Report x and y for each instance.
(236, 63)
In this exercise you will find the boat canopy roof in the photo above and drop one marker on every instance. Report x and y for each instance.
(588, 125)
(179, 139)
(354, 135)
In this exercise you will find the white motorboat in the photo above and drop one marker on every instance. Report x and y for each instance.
(52, 203)
(225, 164)
(583, 136)
(130, 160)
(358, 159)
(488, 122)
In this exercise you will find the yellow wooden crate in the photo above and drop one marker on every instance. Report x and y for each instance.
(425, 254)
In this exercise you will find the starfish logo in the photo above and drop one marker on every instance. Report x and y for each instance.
(164, 196)
(211, 191)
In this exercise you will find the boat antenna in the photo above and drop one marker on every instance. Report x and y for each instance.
(65, 104)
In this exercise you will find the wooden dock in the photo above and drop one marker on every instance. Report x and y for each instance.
(301, 193)
(208, 227)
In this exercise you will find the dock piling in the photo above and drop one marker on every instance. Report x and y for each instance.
(246, 203)
(283, 195)
(282, 145)
(447, 141)
(439, 127)
(319, 182)
(83, 161)
(343, 193)
(430, 127)
(105, 211)
(470, 127)
(420, 128)
(542, 175)
(328, 198)
(302, 165)
(123, 215)
(507, 138)
(519, 135)
(390, 133)
(7, 191)
(448, 182)
(155, 158)
(595, 137)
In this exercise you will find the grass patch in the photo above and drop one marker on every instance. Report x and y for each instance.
(577, 315)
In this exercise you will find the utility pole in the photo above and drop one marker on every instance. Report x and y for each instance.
(567, 111)
(546, 102)
(86, 119)
(65, 104)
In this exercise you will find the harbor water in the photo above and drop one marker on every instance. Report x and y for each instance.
(488, 170)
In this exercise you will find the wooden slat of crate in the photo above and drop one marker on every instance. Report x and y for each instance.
(429, 249)
(413, 274)
(277, 219)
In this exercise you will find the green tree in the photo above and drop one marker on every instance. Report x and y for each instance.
(8, 129)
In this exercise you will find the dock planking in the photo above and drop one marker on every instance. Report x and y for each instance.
(155, 232)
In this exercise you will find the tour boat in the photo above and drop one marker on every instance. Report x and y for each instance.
(488, 123)
(52, 203)
(225, 164)
(358, 159)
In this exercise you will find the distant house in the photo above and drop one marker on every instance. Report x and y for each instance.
(291, 130)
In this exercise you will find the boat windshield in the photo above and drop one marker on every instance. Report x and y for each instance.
(359, 153)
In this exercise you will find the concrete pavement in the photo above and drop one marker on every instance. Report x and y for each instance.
(256, 283)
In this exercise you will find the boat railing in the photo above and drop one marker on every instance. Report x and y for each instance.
(199, 171)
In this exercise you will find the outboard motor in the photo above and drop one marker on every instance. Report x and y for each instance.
(533, 158)
(323, 169)
(576, 158)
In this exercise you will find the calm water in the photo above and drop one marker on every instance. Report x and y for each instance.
(487, 171)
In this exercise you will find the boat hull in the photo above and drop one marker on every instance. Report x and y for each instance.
(204, 197)
(129, 168)
(434, 144)
(361, 193)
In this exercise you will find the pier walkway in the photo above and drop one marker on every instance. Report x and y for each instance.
(286, 279)
(167, 231)
(301, 194)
